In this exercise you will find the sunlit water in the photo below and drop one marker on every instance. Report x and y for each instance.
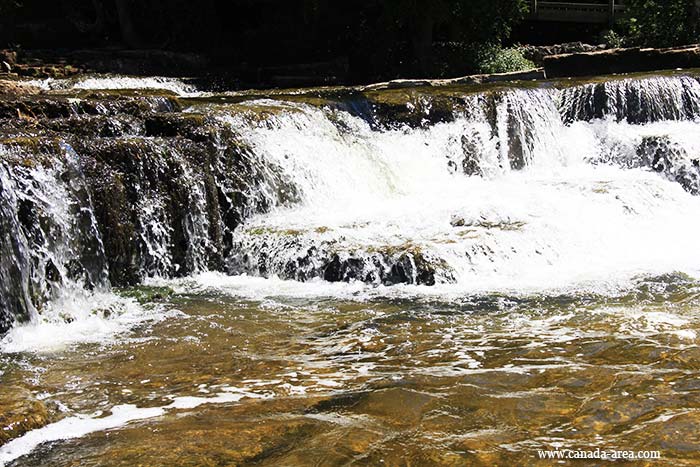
(564, 313)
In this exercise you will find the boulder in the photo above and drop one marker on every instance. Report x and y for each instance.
(662, 155)
(537, 54)
(8, 56)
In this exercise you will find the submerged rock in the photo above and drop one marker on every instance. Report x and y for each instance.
(20, 412)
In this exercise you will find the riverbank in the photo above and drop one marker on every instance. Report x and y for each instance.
(590, 62)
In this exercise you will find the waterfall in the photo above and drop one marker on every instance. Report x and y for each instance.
(504, 188)
(51, 241)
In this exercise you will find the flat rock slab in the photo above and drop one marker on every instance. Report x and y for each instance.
(17, 88)
(612, 61)
(527, 75)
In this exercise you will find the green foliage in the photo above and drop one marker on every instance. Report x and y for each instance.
(435, 38)
(661, 23)
(473, 21)
(612, 39)
(494, 59)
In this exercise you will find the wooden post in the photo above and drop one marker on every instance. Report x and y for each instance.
(611, 12)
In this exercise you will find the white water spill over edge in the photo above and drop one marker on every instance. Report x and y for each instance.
(81, 317)
(114, 82)
(563, 219)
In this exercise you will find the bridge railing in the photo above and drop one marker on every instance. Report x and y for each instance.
(576, 11)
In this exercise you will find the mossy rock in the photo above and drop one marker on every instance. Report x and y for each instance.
(95, 126)
(30, 151)
(146, 294)
(414, 107)
(188, 125)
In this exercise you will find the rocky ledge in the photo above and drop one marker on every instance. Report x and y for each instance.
(613, 61)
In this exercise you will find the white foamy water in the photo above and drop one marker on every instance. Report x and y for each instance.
(579, 211)
(111, 82)
(80, 317)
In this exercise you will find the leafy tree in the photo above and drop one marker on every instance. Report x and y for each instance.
(403, 32)
(662, 23)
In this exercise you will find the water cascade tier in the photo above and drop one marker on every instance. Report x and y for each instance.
(473, 188)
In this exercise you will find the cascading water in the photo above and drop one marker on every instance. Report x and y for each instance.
(52, 242)
(518, 187)
(555, 204)
(367, 265)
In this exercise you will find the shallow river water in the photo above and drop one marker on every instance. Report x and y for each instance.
(256, 372)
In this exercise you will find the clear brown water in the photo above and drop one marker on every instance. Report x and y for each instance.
(484, 380)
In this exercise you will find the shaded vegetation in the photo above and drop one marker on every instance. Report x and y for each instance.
(365, 39)
(661, 23)
(498, 60)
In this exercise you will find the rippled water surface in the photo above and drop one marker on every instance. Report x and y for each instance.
(251, 372)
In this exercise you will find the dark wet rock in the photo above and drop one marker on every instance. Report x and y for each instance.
(472, 149)
(42, 107)
(663, 155)
(410, 268)
(407, 107)
(188, 125)
(36, 108)
(8, 56)
(164, 191)
(290, 255)
(100, 126)
(14, 303)
(130, 172)
(114, 215)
